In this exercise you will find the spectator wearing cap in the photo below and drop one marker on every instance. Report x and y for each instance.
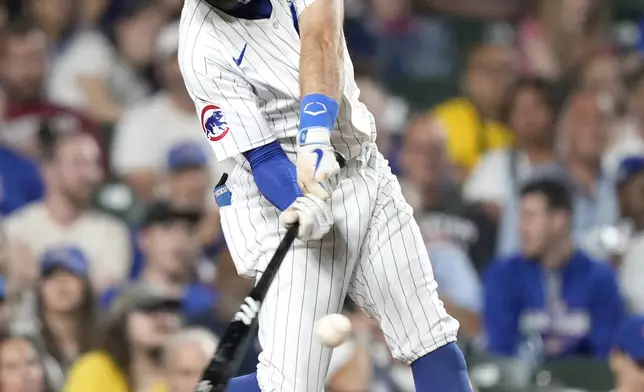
(72, 173)
(169, 255)
(65, 313)
(188, 185)
(139, 322)
(185, 355)
(550, 300)
(627, 356)
(146, 132)
(27, 110)
(630, 185)
(102, 75)
(188, 179)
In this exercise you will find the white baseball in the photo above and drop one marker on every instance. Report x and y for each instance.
(332, 330)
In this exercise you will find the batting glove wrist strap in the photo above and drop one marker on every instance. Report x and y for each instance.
(314, 136)
(318, 111)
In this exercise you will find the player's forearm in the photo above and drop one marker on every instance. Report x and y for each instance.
(322, 49)
(320, 69)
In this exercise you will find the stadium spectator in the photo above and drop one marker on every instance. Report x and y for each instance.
(169, 256)
(531, 116)
(390, 113)
(189, 185)
(56, 18)
(140, 321)
(627, 356)
(560, 36)
(473, 122)
(459, 286)
(231, 290)
(21, 366)
(147, 131)
(410, 45)
(630, 183)
(91, 13)
(628, 132)
(583, 132)
(188, 182)
(24, 56)
(101, 78)
(550, 298)
(429, 187)
(63, 313)
(72, 172)
(602, 74)
(186, 354)
(20, 181)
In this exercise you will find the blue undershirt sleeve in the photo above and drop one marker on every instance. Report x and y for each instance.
(275, 175)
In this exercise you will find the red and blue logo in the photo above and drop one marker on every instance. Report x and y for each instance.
(214, 123)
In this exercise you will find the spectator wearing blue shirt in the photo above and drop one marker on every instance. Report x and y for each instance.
(169, 253)
(627, 356)
(20, 181)
(550, 294)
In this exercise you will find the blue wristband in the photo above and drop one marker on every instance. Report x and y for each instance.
(318, 111)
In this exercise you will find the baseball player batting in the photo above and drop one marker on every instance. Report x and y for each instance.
(274, 88)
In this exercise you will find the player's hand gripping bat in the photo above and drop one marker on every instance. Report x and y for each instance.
(241, 331)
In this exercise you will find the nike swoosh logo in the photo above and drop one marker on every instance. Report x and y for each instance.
(239, 60)
(320, 154)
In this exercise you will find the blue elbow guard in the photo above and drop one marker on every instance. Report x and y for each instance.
(275, 175)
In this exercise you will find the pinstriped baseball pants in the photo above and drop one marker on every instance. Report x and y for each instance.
(374, 253)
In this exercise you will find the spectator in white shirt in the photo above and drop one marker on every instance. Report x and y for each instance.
(72, 171)
(531, 116)
(147, 131)
(102, 78)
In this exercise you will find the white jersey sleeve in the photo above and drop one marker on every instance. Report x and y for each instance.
(225, 103)
(301, 5)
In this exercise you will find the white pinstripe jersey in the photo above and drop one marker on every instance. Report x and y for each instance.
(244, 78)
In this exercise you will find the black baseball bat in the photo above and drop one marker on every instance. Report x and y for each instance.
(241, 331)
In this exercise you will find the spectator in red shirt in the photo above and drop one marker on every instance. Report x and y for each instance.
(23, 65)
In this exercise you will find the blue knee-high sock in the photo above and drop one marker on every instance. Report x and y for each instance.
(246, 383)
(443, 370)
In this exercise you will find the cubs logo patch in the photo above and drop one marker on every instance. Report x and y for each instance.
(214, 123)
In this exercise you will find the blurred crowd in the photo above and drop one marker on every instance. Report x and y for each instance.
(516, 129)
